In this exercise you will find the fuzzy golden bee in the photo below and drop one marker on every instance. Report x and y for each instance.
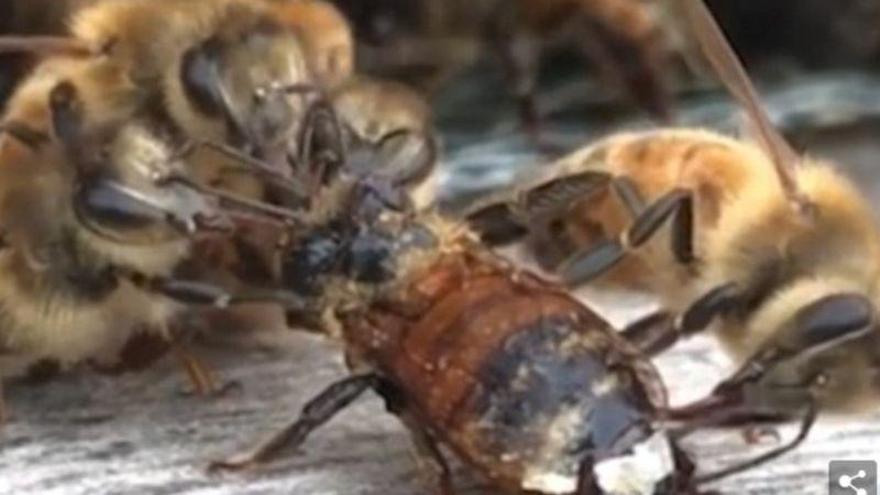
(781, 248)
(81, 212)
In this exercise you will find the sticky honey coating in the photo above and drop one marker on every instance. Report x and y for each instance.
(513, 375)
(60, 298)
(518, 378)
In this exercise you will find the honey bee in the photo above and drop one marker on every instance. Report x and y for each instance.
(84, 217)
(624, 39)
(227, 80)
(224, 71)
(782, 249)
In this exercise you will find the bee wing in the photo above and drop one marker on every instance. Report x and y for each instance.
(734, 77)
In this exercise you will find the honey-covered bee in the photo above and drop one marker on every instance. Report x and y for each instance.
(518, 378)
(393, 286)
(625, 39)
(82, 216)
(781, 248)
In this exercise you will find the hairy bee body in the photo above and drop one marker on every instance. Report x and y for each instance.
(62, 298)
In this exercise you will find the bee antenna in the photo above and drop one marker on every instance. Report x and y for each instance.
(806, 424)
(284, 214)
(250, 165)
(299, 88)
(60, 45)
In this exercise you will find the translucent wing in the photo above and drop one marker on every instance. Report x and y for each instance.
(734, 77)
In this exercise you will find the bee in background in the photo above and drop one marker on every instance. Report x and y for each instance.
(326, 38)
(624, 39)
(29, 18)
(84, 218)
(782, 249)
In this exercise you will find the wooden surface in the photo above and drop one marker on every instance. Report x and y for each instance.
(137, 434)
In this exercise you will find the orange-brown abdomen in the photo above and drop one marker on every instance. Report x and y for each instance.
(514, 375)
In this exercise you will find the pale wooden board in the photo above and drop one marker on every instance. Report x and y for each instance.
(88, 435)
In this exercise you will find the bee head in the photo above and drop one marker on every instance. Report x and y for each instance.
(254, 80)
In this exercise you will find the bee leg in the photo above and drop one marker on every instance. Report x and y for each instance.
(202, 378)
(806, 425)
(409, 156)
(245, 164)
(652, 334)
(826, 322)
(194, 292)
(730, 408)
(598, 259)
(321, 146)
(430, 459)
(316, 412)
(428, 454)
(587, 484)
(659, 331)
(628, 194)
(504, 220)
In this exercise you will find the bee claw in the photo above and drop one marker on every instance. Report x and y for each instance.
(757, 435)
(229, 465)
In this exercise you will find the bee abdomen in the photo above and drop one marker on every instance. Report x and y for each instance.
(517, 381)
